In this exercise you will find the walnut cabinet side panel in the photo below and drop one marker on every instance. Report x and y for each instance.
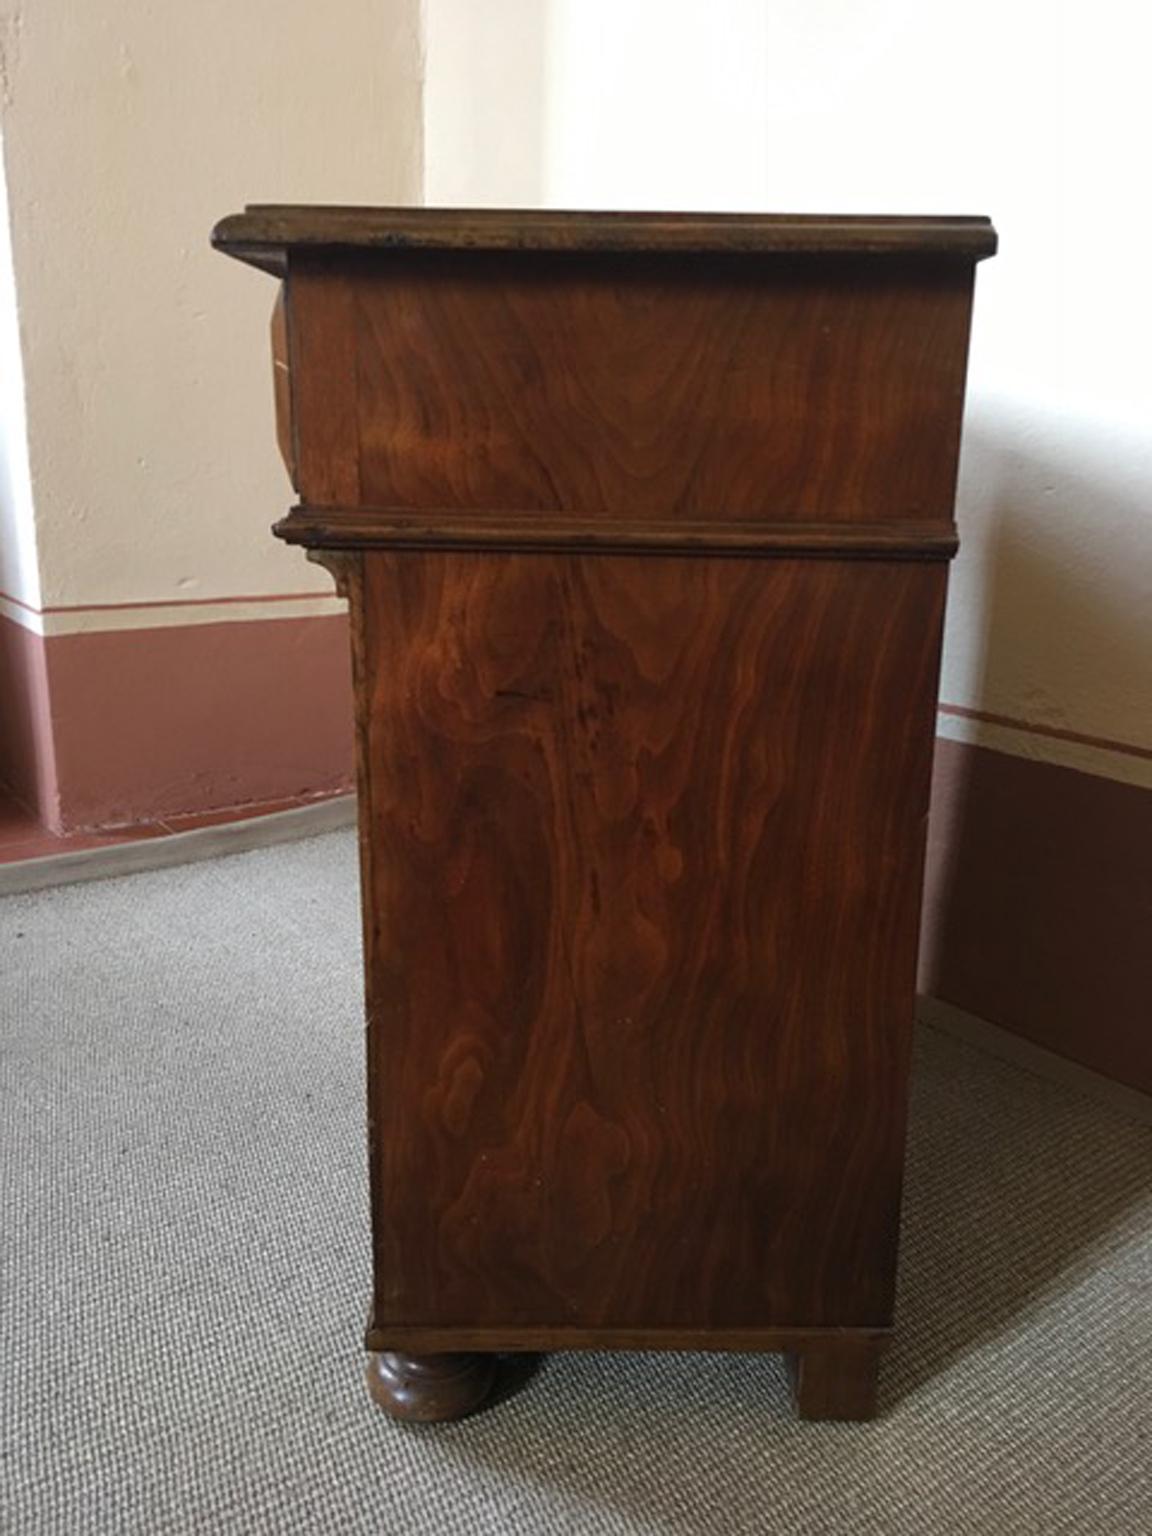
(643, 842)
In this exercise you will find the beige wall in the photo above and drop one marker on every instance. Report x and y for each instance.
(1036, 113)
(485, 104)
(129, 127)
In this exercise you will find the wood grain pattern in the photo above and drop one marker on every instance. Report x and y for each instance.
(324, 388)
(642, 871)
(822, 396)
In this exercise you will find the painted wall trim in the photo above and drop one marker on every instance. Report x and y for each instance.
(103, 618)
(1123, 762)
(1054, 732)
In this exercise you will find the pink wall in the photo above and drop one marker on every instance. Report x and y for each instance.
(27, 758)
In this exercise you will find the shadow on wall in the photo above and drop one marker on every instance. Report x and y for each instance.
(1039, 880)
(27, 763)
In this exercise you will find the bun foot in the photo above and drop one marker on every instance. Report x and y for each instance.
(428, 1389)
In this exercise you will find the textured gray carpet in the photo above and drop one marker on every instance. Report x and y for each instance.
(184, 1274)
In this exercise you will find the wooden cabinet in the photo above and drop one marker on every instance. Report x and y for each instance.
(644, 522)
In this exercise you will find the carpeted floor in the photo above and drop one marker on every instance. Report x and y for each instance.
(183, 1275)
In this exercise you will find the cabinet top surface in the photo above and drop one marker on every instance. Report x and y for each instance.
(264, 233)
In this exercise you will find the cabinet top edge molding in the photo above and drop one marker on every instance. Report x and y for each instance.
(265, 232)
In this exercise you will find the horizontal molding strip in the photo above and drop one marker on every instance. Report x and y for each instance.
(552, 532)
(1053, 732)
(1122, 762)
(535, 1338)
(266, 234)
(157, 602)
(59, 624)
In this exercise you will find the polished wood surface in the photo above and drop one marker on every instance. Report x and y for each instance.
(644, 523)
(628, 891)
(349, 528)
(518, 1339)
(836, 1381)
(437, 381)
(265, 233)
(424, 1389)
(282, 386)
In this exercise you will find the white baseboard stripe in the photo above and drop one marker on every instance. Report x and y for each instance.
(1104, 762)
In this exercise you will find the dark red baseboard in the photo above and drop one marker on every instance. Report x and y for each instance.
(27, 761)
(1038, 905)
(141, 725)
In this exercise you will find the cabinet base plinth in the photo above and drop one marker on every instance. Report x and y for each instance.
(834, 1372)
(429, 1389)
(836, 1380)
